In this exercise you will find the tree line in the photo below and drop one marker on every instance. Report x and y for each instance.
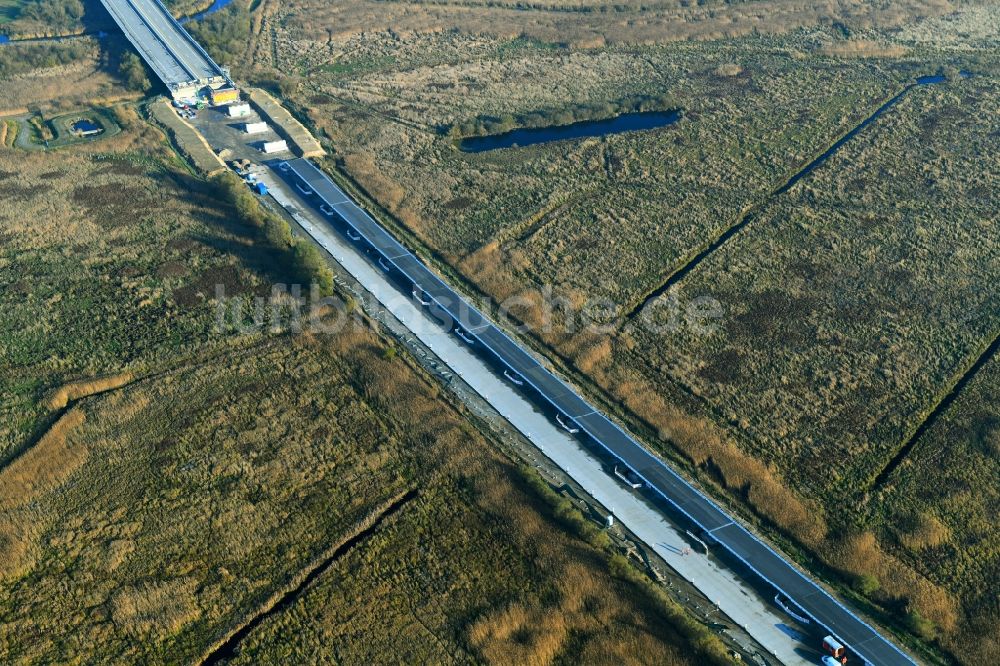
(302, 257)
(20, 58)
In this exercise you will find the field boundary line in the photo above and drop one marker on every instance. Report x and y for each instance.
(942, 405)
(288, 594)
(750, 213)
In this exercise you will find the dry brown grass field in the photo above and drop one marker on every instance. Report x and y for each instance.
(595, 23)
(162, 482)
(939, 508)
(851, 304)
(540, 215)
(853, 299)
(109, 253)
(471, 546)
(53, 88)
(156, 521)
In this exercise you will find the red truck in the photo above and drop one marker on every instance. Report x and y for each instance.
(835, 648)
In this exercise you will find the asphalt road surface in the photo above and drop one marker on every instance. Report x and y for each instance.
(727, 597)
(715, 525)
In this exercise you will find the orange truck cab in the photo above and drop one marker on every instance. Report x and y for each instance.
(835, 648)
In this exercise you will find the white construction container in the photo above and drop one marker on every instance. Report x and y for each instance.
(238, 110)
(256, 128)
(274, 147)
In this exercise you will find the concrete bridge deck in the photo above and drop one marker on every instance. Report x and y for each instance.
(176, 58)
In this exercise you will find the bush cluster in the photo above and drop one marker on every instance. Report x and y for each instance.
(302, 256)
(20, 58)
(133, 73)
(225, 33)
(56, 15)
(565, 512)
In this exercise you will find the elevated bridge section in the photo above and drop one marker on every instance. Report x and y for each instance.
(176, 58)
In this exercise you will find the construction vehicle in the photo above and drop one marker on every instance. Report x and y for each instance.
(835, 648)
(242, 167)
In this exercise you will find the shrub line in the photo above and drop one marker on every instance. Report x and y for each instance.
(936, 411)
(283, 598)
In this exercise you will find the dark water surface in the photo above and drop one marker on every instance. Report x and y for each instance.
(85, 126)
(216, 6)
(528, 136)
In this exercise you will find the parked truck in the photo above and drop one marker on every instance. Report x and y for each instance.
(836, 649)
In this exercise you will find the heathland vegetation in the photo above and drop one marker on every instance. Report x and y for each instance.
(164, 480)
(44, 17)
(851, 304)
(596, 23)
(98, 280)
(31, 19)
(61, 76)
(854, 303)
(938, 509)
(152, 521)
(22, 58)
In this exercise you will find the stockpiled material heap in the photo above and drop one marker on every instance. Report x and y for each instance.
(187, 137)
(302, 140)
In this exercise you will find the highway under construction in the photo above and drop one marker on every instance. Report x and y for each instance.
(187, 70)
(577, 416)
(176, 58)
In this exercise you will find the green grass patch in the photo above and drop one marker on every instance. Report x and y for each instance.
(9, 10)
(357, 66)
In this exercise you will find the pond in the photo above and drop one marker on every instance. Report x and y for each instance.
(86, 126)
(939, 78)
(216, 6)
(528, 136)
